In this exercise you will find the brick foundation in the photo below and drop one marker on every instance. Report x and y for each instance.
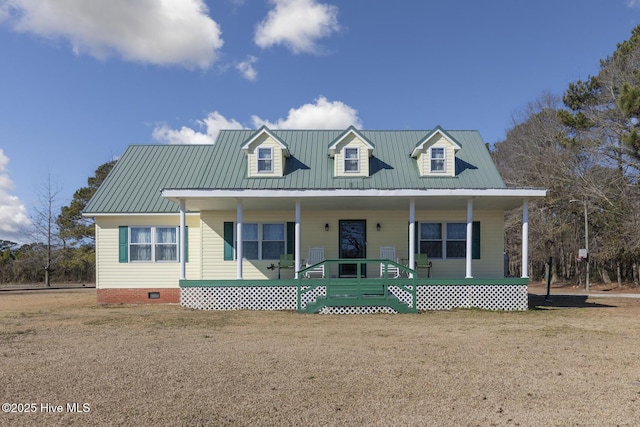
(138, 295)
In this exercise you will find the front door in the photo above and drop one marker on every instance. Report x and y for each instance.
(353, 244)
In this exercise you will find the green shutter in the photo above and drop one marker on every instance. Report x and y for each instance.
(123, 243)
(186, 243)
(416, 231)
(291, 237)
(228, 240)
(475, 240)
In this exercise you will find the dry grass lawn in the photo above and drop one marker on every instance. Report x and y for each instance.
(166, 365)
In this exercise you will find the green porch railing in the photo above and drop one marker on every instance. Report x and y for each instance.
(358, 290)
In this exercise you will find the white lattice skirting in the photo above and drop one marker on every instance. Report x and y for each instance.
(433, 297)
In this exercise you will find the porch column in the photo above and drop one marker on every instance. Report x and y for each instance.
(469, 255)
(297, 239)
(525, 239)
(239, 240)
(412, 234)
(183, 245)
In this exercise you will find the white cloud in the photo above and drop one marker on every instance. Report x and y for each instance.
(14, 220)
(4, 12)
(297, 24)
(323, 114)
(633, 3)
(246, 68)
(156, 32)
(213, 124)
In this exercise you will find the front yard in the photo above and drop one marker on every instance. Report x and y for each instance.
(167, 365)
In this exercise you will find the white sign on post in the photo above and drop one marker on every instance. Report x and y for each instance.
(582, 253)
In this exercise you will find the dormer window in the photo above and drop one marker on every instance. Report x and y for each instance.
(351, 160)
(351, 152)
(435, 154)
(266, 154)
(265, 159)
(438, 159)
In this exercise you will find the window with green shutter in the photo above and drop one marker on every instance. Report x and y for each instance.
(447, 240)
(261, 241)
(150, 244)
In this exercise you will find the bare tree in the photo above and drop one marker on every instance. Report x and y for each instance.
(535, 154)
(45, 230)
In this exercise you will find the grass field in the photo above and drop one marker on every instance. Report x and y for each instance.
(574, 364)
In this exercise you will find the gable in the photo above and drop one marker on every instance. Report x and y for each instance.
(266, 154)
(435, 154)
(351, 152)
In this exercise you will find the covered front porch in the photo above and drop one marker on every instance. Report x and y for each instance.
(353, 230)
(357, 224)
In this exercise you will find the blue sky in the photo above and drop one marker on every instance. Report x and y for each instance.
(80, 81)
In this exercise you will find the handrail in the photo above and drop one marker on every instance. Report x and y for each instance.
(333, 283)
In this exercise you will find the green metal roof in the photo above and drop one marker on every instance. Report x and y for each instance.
(135, 183)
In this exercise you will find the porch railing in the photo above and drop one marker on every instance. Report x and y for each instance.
(359, 289)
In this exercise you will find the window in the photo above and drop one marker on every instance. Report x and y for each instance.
(265, 159)
(456, 242)
(351, 160)
(153, 244)
(141, 247)
(449, 239)
(273, 243)
(263, 241)
(437, 159)
(431, 239)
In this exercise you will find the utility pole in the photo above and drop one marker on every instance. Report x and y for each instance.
(586, 243)
(586, 240)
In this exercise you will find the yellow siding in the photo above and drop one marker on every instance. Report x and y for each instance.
(394, 232)
(265, 141)
(351, 142)
(206, 245)
(110, 273)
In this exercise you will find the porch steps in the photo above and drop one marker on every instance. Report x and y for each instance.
(357, 301)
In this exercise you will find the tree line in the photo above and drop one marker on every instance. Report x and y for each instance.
(64, 240)
(584, 148)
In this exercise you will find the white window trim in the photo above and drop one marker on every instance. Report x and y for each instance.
(345, 159)
(260, 240)
(271, 159)
(443, 159)
(153, 244)
(444, 238)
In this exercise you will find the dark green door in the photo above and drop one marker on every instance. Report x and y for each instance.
(353, 244)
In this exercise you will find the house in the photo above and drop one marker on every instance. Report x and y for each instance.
(360, 208)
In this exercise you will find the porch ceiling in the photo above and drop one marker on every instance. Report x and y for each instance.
(352, 202)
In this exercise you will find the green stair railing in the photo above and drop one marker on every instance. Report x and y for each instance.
(359, 290)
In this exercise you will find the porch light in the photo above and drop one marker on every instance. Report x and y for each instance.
(326, 227)
(378, 227)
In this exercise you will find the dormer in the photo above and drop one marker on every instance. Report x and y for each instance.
(266, 154)
(351, 152)
(436, 153)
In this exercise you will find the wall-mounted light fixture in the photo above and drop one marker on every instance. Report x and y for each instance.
(326, 227)
(378, 226)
